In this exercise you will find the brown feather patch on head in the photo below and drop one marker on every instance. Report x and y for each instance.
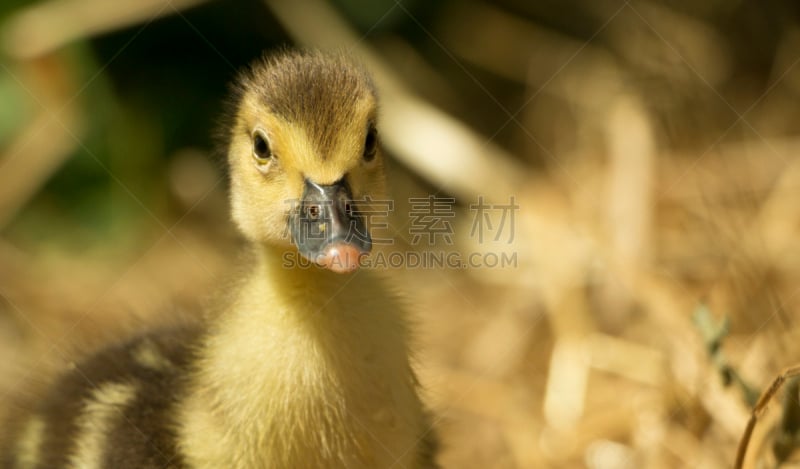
(316, 90)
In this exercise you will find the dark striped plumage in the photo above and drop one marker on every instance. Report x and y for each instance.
(142, 434)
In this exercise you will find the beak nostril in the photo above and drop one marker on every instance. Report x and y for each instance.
(313, 211)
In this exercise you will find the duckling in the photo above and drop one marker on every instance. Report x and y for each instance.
(307, 364)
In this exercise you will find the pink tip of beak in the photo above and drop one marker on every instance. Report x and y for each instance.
(341, 258)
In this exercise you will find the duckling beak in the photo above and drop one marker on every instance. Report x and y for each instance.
(327, 229)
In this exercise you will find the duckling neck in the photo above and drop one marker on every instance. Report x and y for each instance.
(306, 368)
(302, 287)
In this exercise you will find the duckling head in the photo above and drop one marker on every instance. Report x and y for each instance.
(303, 156)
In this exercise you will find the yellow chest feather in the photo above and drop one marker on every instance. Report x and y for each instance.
(305, 381)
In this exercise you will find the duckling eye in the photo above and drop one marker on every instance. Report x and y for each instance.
(371, 144)
(261, 150)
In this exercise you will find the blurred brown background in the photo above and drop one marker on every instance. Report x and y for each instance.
(651, 147)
